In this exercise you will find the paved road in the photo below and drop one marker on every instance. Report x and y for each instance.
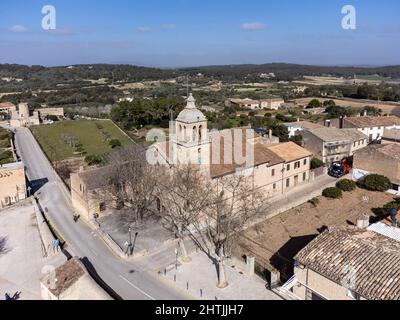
(133, 281)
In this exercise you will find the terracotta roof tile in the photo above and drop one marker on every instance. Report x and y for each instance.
(375, 257)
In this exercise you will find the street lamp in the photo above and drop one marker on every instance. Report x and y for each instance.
(130, 240)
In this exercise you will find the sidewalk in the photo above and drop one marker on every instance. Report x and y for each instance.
(199, 278)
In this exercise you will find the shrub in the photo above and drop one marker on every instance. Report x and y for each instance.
(333, 193)
(92, 160)
(376, 182)
(316, 163)
(114, 143)
(314, 103)
(346, 185)
(393, 204)
(314, 202)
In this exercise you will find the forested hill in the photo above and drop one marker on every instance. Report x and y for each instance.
(39, 77)
(284, 71)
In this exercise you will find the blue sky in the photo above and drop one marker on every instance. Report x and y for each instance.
(171, 33)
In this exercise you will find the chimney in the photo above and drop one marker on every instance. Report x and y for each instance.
(365, 113)
(362, 221)
(270, 133)
(298, 119)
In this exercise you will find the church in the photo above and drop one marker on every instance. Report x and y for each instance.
(272, 167)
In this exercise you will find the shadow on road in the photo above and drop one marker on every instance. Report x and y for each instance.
(36, 185)
(93, 273)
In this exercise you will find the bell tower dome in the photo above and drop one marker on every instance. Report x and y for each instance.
(191, 136)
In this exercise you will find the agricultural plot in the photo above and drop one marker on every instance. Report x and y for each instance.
(69, 139)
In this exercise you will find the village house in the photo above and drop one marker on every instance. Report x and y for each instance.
(391, 136)
(71, 281)
(372, 127)
(295, 128)
(379, 159)
(22, 117)
(7, 107)
(12, 183)
(272, 104)
(45, 112)
(87, 188)
(245, 103)
(332, 144)
(342, 264)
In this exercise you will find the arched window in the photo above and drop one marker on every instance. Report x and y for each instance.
(199, 155)
(180, 132)
(184, 133)
(200, 133)
(194, 134)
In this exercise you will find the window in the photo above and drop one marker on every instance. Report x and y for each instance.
(304, 176)
(305, 162)
(297, 165)
(287, 183)
(288, 167)
(273, 172)
(274, 186)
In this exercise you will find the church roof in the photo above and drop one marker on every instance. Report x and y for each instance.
(191, 114)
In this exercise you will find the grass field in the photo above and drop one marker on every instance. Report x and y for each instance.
(92, 135)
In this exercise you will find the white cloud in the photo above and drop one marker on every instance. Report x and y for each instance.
(168, 26)
(252, 26)
(145, 29)
(18, 29)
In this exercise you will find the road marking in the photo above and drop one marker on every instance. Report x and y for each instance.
(140, 290)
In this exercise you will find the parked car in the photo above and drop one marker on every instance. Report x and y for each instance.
(337, 170)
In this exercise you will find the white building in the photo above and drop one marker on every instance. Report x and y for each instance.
(295, 128)
(373, 127)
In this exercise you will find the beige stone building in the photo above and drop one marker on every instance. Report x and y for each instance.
(22, 117)
(245, 103)
(332, 144)
(379, 159)
(12, 183)
(272, 104)
(71, 281)
(44, 112)
(347, 263)
(87, 196)
(391, 136)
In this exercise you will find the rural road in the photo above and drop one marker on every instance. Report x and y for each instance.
(130, 280)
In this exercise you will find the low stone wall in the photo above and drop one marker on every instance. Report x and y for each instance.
(46, 235)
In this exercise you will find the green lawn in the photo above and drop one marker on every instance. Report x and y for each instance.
(93, 135)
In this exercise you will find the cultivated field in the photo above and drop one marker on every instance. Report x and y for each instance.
(386, 107)
(59, 141)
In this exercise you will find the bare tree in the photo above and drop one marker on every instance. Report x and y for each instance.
(211, 212)
(184, 193)
(234, 203)
(130, 182)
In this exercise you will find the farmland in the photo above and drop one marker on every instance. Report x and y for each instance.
(69, 139)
